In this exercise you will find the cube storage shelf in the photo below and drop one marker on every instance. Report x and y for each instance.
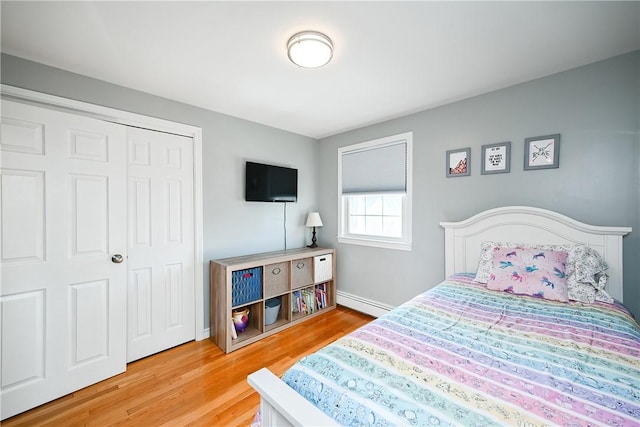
(302, 279)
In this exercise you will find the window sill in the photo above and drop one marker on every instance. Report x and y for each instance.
(375, 243)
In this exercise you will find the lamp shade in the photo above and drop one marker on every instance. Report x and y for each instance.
(313, 220)
(310, 49)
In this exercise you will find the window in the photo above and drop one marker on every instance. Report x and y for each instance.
(374, 180)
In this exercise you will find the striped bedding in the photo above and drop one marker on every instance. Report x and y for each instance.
(460, 354)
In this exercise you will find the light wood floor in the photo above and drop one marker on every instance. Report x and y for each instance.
(192, 384)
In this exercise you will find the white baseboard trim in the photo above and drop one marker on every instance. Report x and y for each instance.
(205, 335)
(364, 305)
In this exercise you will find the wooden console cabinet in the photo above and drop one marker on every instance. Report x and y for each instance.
(301, 280)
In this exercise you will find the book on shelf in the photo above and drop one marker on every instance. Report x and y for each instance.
(309, 300)
(304, 301)
(321, 296)
(234, 334)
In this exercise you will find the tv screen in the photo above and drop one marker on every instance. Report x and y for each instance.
(268, 183)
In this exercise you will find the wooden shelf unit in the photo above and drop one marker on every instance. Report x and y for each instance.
(283, 275)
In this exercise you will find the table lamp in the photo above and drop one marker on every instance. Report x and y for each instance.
(313, 220)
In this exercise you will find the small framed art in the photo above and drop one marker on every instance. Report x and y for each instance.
(458, 162)
(542, 152)
(496, 158)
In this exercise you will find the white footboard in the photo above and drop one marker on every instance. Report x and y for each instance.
(280, 405)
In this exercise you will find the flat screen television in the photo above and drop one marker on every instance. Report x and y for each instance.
(269, 183)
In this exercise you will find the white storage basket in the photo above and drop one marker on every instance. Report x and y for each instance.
(322, 268)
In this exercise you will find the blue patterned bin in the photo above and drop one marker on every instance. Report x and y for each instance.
(246, 286)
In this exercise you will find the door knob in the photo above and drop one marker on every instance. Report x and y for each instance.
(117, 258)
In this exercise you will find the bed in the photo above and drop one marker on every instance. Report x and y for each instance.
(478, 352)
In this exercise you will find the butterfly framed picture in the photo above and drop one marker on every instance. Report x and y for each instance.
(542, 152)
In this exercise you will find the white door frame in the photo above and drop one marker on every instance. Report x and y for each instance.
(139, 120)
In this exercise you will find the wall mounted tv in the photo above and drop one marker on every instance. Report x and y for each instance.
(268, 183)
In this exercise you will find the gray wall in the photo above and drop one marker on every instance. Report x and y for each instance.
(231, 225)
(595, 109)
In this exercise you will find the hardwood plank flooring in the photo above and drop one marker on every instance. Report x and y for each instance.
(194, 384)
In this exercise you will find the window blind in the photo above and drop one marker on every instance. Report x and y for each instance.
(376, 169)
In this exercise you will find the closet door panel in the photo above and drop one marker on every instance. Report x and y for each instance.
(63, 300)
(161, 295)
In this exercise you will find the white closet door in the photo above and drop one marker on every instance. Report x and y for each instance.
(63, 212)
(161, 306)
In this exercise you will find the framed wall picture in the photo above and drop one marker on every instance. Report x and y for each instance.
(496, 158)
(458, 162)
(542, 152)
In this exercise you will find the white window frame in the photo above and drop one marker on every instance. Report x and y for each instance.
(400, 243)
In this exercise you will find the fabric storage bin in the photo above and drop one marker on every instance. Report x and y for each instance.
(276, 279)
(246, 286)
(301, 272)
(322, 268)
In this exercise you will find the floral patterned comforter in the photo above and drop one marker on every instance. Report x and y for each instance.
(460, 354)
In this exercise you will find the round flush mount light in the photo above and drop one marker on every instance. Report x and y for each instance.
(310, 49)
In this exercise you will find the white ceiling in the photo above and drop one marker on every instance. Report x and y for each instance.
(390, 59)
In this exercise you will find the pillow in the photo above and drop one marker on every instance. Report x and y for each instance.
(485, 265)
(586, 270)
(530, 271)
(582, 292)
(589, 267)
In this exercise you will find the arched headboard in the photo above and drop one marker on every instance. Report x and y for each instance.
(523, 224)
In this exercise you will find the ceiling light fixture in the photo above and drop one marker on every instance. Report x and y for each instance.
(310, 49)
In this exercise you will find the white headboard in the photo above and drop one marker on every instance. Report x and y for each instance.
(523, 224)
